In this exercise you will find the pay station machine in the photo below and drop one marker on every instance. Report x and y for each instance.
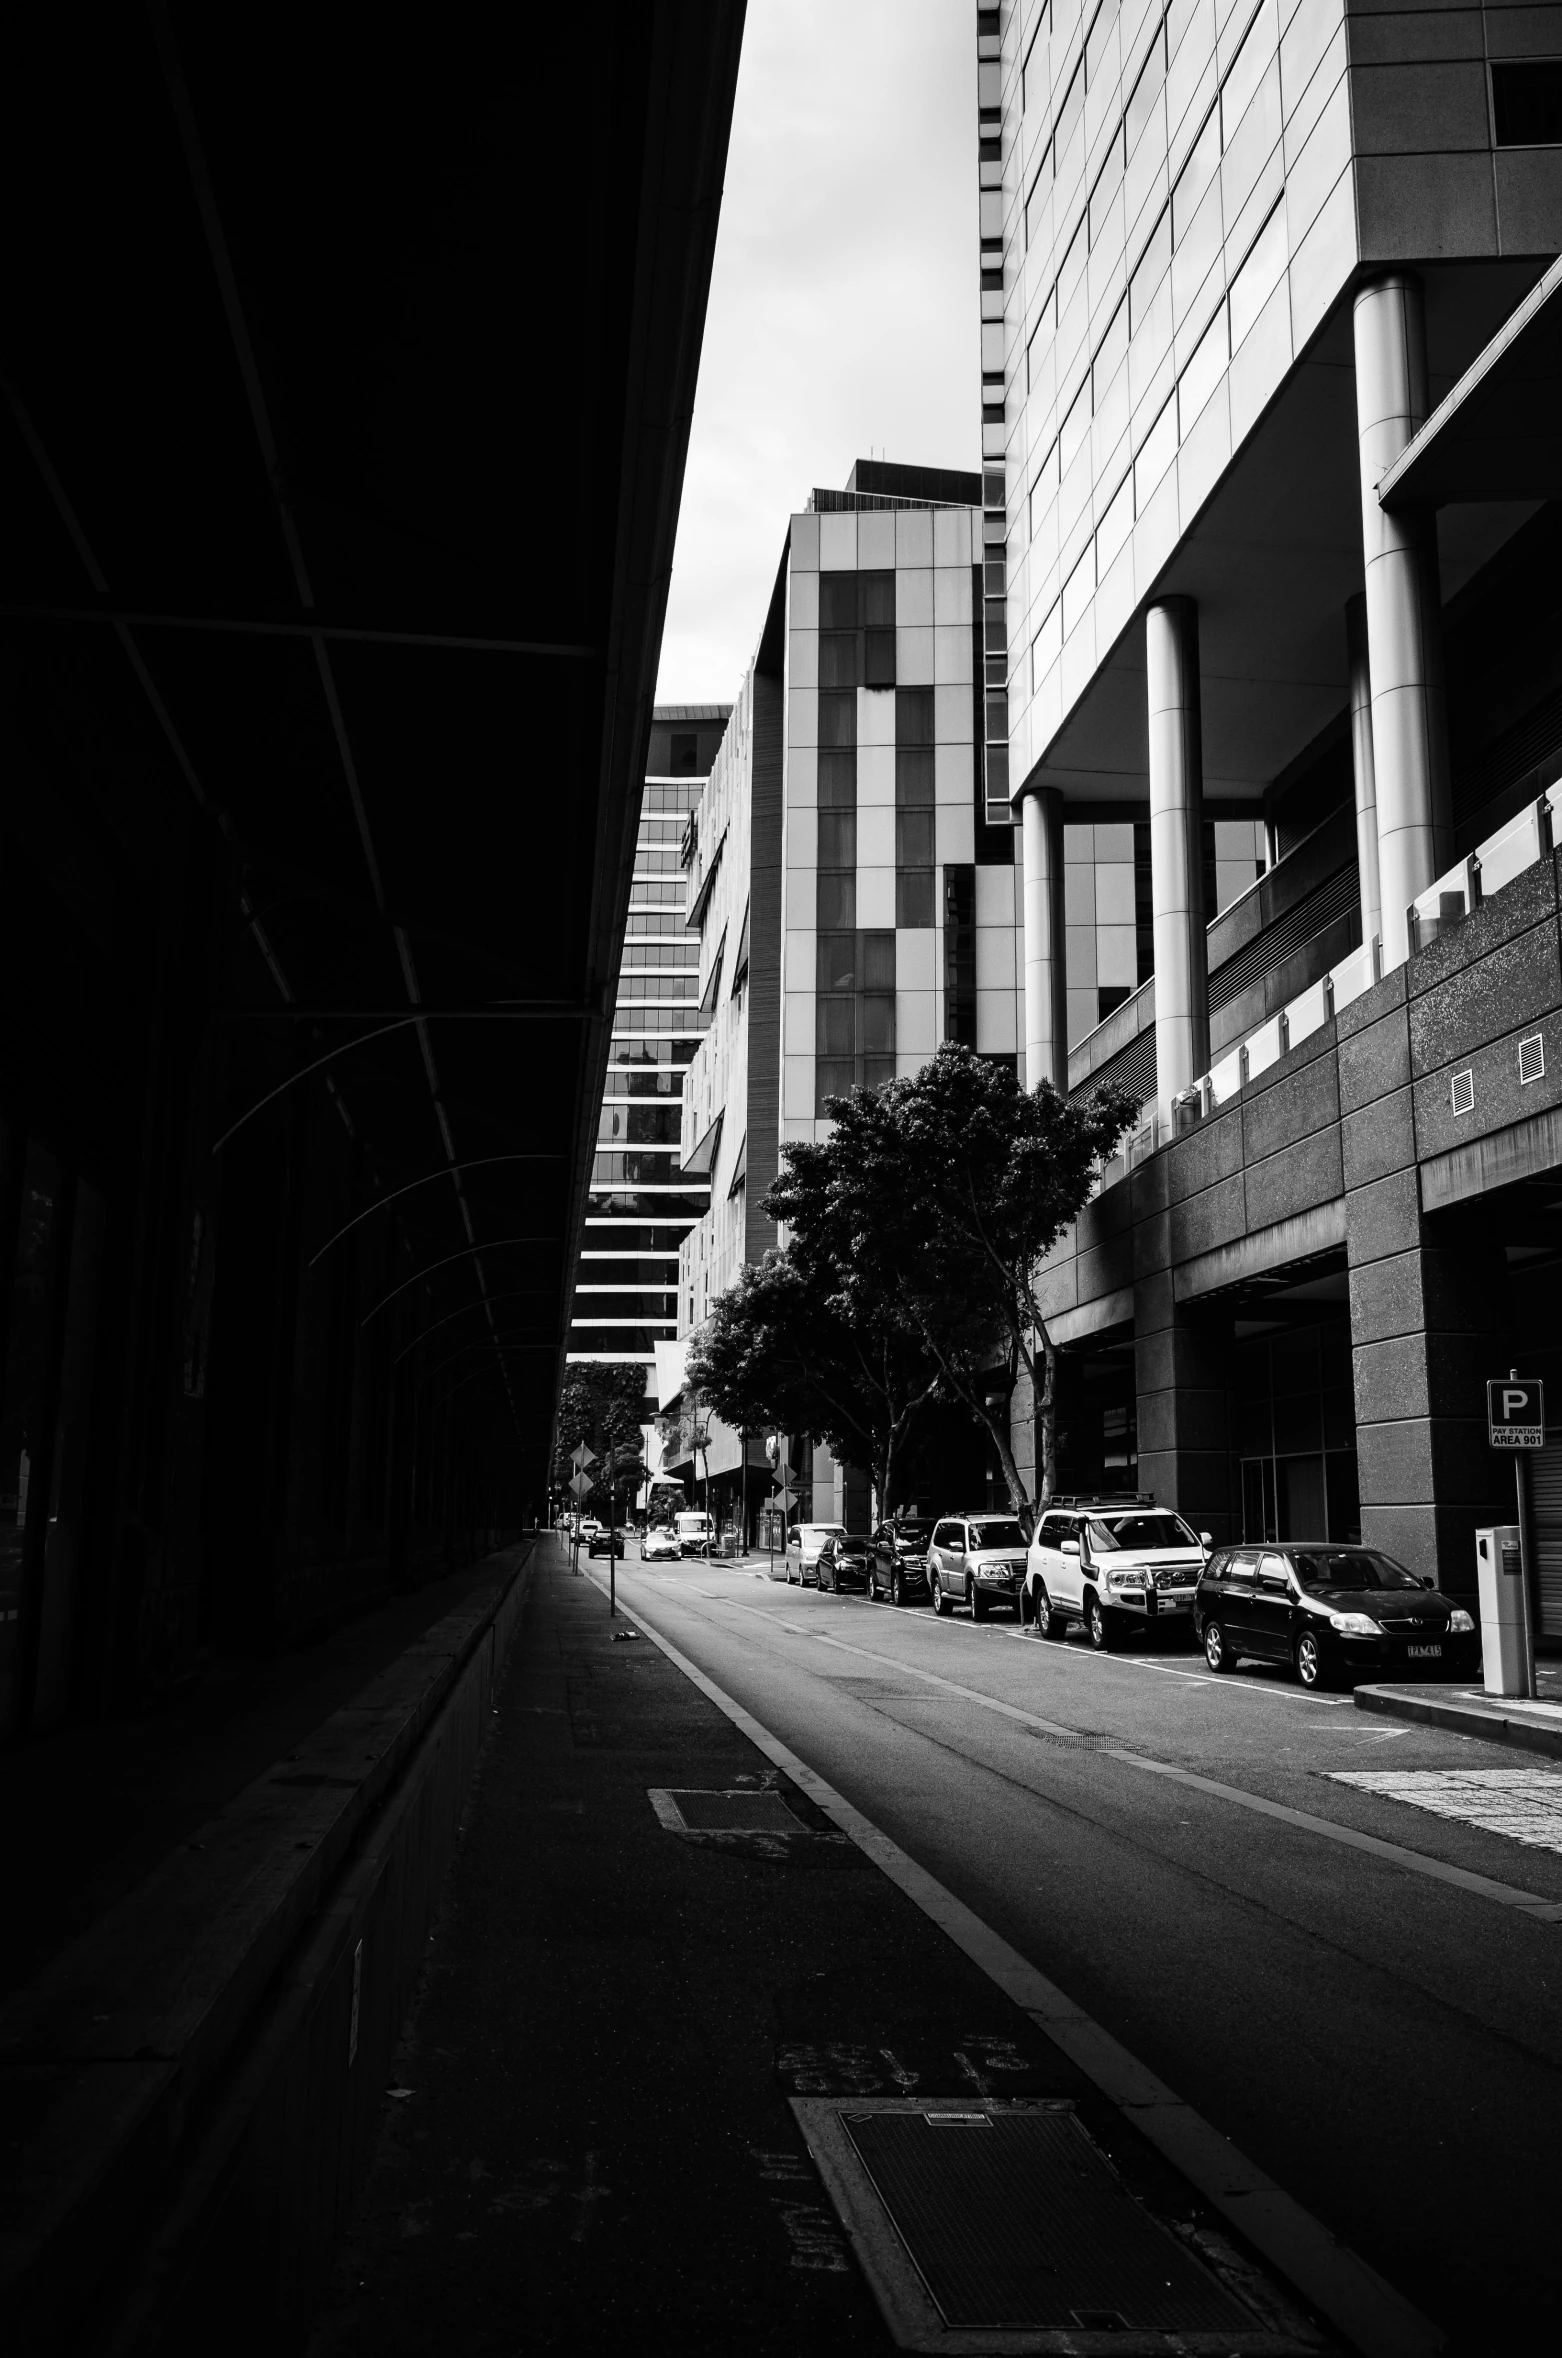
(1505, 1642)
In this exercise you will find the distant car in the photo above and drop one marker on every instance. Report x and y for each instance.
(587, 1526)
(842, 1563)
(659, 1545)
(1332, 1613)
(897, 1561)
(976, 1560)
(1110, 1562)
(605, 1543)
(802, 1548)
(696, 1531)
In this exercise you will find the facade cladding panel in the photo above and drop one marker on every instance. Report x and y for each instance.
(885, 782)
(642, 1201)
(1234, 253)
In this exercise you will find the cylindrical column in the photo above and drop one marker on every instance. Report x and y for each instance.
(1177, 847)
(1365, 771)
(1046, 1033)
(1409, 735)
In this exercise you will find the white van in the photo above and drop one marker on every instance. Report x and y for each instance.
(696, 1531)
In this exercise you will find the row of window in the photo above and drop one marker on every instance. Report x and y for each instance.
(673, 953)
(660, 794)
(635, 986)
(1238, 309)
(640, 1123)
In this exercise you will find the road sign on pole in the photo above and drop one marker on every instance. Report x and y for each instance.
(1516, 1412)
(581, 1457)
(581, 1485)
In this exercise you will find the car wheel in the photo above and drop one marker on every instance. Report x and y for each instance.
(940, 1601)
(1049, 1621)
(975, 1599)
(1309, 1661)
(897, 1593)
(1102, 1626)
(1217, 1653)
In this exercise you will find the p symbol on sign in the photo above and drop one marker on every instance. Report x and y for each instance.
(1513, 1400)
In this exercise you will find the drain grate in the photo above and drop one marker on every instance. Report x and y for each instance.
(1003, 2226)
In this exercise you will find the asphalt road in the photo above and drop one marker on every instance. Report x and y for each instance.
(1384, 2042)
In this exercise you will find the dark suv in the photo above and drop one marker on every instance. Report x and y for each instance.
(1331, 1612)
(897, 1561)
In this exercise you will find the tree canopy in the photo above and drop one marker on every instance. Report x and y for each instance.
(936, 1199)
(604, 1406)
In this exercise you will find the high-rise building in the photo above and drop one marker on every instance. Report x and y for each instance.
(642, 1200)
(852, 877)
(1270, 563)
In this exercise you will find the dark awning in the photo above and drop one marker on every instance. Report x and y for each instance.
(740, 962)
(739, 1168)
(697, 1164)
(1498, 435)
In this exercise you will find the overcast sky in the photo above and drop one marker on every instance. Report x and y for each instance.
(844, 309)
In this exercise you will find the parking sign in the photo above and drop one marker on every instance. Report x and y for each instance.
(1516, 1412)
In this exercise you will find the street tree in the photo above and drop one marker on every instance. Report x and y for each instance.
(801, 1343)
(602, 1406)
(953, 1185)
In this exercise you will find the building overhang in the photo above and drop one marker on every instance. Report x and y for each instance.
(1270, 559)
(1498, 434)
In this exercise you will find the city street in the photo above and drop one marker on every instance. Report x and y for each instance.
(1374, 2028)
(1385, 2044)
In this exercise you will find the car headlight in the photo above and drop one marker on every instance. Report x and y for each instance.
(1459, 1621)
(1125, 1580)
(1354, 1624)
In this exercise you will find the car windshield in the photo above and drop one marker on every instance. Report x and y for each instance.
(1112, 1532)
(915, 1534)
(1002, 1531)
(1357, 1567)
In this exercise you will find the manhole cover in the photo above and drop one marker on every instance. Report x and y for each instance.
(686, 1812)
(1002, 2226)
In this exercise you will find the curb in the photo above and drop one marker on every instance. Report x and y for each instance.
(1490, 1724)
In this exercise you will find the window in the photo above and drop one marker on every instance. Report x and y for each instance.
(838, 722)
(1259, 275)
(1246, 70)
(1115, 526)
(1527, 102)
(856, 630)
(1040, 339)
(1035, 202)
(1111, 352)
(1046, 646)
(1067, 121)
(915, 791)
(1097, 38)
(1156, 453)
(1078, 590)
(1203, 372)
(960, 954)
(1076, 428)
(1151, 268)
(1108, 181)
(1196, 176)
(1071, 276)
(1033, 72)
(837, 839)
(1148, 88)
(854, 1014)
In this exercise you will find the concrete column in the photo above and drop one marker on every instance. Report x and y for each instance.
(1404, 623)
(1366, 774)
(1177, 847)
(1046, 1002)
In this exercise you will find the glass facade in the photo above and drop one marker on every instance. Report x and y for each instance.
(642, 1203)
(1109, 939)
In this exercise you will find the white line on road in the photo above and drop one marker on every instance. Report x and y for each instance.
(1350, 2293)
(1415, 1862)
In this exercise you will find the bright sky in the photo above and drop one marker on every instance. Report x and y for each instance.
(844, 309)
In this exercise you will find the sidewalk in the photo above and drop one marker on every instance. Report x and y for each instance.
(1528, 1726)
(90, 1810)
(652, 1941)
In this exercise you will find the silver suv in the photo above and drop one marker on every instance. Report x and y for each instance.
(1110, 1562)
(976, 1560)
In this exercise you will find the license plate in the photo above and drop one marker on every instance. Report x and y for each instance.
(1424, 1653)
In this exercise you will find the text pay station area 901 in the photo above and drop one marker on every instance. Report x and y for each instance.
(1516, 1421)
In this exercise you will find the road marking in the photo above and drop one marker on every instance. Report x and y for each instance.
(1349, 2292)
(1507, 1895)
(1523, 1804)
(1527, 1903)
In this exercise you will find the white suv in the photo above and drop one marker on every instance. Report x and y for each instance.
(1109, 1561)
(976, 1560)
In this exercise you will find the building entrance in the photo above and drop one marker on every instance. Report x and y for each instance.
(1294, 1424)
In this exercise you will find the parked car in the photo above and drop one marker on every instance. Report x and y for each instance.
(897, 1561)
(695, 1530)
(605, 1543)
(659, 1545)
(843, 1563)
(803, 1543)
(1331, 1612)
(976, 1560)
(1111, 1562)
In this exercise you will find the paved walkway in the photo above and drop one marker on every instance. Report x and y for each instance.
(91, 1809)
(589, 2145)
(1529, 1725)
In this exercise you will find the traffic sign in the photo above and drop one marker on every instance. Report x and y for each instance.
(581, 1457)
(581, 1484)
(1516, 1412)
